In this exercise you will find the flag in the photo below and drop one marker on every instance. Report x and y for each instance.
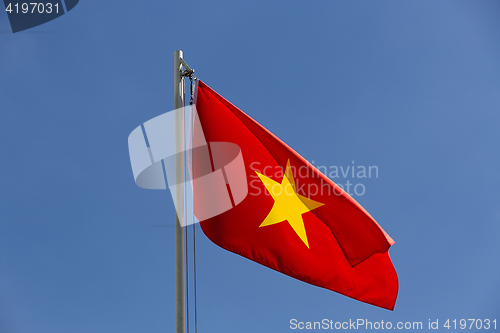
(292, 218)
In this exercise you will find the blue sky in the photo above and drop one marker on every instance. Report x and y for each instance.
(412, 87)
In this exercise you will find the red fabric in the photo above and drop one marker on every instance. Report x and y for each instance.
(348, 250)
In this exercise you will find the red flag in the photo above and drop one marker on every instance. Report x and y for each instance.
(293, 218)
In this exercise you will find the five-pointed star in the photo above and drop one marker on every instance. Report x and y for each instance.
(288, 204)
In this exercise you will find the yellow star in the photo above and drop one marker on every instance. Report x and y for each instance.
(288, 204)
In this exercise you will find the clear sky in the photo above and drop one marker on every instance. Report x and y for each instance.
(412, 87)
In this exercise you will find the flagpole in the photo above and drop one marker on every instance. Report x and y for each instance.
(180, 308)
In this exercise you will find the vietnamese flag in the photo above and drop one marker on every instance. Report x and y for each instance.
(294, 219)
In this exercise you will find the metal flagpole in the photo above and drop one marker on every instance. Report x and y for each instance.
(180, 309)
